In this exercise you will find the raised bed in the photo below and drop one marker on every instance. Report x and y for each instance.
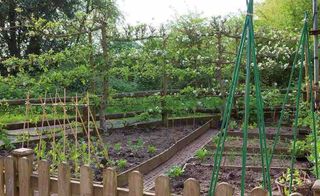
(285, 133)
(231, 175)
(166, 141)
(156, 161)
(231, 164)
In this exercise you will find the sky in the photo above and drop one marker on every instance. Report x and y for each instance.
(160, 11)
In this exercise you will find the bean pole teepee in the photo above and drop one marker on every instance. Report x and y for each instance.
(247, 42)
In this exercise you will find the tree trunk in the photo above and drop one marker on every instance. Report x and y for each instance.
(92, 86)
(163, 99)
(164, 89)
(34, 45)
(12, 39)
(105, 79)
(218, 74)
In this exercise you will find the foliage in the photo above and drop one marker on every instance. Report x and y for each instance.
(175, 171)
(117, 147)
(4, 138)
(201, 154)
(135, 147)
(302, 148)
(151, 149)
(298, 179)
(122, 163)
(215, 139)
(40, 150)
(283, 13)
(233, 124)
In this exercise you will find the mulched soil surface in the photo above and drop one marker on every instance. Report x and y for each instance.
(159, 137)
(233, 176)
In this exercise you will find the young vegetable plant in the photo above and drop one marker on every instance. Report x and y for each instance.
(201, 154)
(152, 149)
(40, 150)
(175, 171)
(300, 178)
(215, 139)
(233, 124)
(122, 163)
(117, 147)
(232, 157)
(137, 146)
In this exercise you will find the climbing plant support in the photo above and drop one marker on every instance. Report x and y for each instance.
(302, 49)
(247, 40)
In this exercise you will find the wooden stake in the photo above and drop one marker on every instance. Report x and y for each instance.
(76, 106)
(98, 133)
(64, 121)
(67, 119)
(89, 140)
(26, 122)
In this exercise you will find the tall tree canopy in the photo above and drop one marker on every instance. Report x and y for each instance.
(17, 20)
(283, 13)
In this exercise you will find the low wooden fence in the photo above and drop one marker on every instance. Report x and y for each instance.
(17, 178)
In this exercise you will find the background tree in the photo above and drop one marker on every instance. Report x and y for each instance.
(17, 38)
(283, 14)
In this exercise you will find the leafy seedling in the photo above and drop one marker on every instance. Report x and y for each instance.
(201, 154)
(122, 163)
(175, 171)
(152, 149)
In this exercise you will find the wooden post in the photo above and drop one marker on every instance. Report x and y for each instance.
(85, 117)
(43, 178)
(110, 182)
(135, 184)
(191, 188)
(19, 153)
(162, 186)
(296, 194)
(224, 189)
(86, 181)
(64, 184)
(10, 177)
(24, 177)
(1, 176)
(316, 188)
(258, 192)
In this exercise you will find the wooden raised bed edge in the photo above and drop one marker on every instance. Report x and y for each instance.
(301, 135)
(253, 168)
(154, 162)
(172, 122)
(19, 125)
(251, 149)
